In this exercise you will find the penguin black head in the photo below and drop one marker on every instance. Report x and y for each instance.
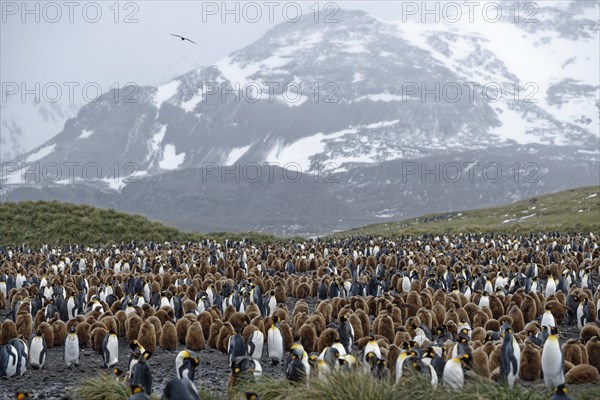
(561, 389)
(251, 396)
(72, 329)
(119, 374)
(136, 389)
(23, 396)
(554, 330)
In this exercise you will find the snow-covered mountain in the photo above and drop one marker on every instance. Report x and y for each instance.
(351, 99)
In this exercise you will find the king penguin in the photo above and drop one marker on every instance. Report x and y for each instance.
(275, 345)
(180, 389)
(37, 351)
(110, 349)
(141, 375)
(454, 375)
(256, 342)
(510, 357)
(552, 361)
(186, 363)
(71, 350)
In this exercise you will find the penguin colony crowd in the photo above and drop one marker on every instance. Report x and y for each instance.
(445, 306)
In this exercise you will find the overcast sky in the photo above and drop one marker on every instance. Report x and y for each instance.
(64, 45)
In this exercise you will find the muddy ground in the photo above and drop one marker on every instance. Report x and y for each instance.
(56, 382)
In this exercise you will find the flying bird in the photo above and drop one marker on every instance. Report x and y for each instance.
(183, 38)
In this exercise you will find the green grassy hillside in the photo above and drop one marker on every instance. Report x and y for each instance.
(56, 223)
(569, 210)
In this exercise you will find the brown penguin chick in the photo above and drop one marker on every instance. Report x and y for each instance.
(162, 315)
(480, 319)
(229, 311)
(557, 309)
(205, 318)
(213, 336)
(83, 333)
(400, 337)
(451, 315)
(121, 318)
(326, 339)
(132, 326)
(110, 323)
(567, 366)
(288, 338)
(157, 325)
(583, 373)
(239, 321)
(308, 337)
(584, 354)
(572, 352)
(496, 306)
(8, 331)
(39, 318)
(281, 312)
(181, 328)
(115, 306)
(147, 337)
(440, 312)
(529, 309)
(252, 311)
(325, 309)
(97, 337)
(280, 295)
(148, 311)
(302, 290)
(478, 334)
(515, 313)
(194, 339)
(60, 332)
(48, 333)
(386, 328)
(593, 351)
(189, 306)
(356, 326)
(481, 363)
(364, 322)
(494, 357)
(24, 325)
(531, 363)
(413, 299)
(298, 321)
(588, 331)
(223, 339)
(492, 325)
(259, 323)
(360, 304)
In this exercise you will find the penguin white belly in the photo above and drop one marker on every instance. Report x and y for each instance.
(255, 344)
(400, 364)
(13, 359)
(548, 320)
(580, 323)
(112, 346)
(71, 350)
(275, 344)
(484, 301)
(453, 375)
(405, 284)
(37, 352)
(272, 306)
(552, 363)
(434, 377)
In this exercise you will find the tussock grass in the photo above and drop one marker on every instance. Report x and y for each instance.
(356, 385)
(102, 387)
(106, 387)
